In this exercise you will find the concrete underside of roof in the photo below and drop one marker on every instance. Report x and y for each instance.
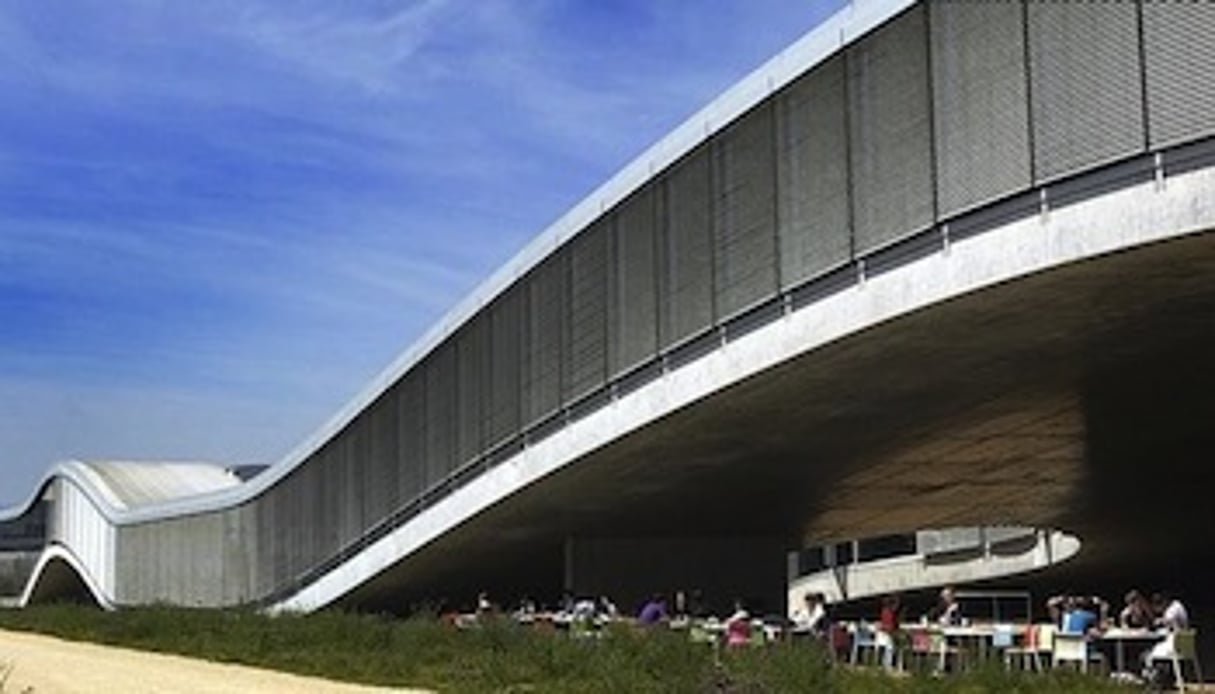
(1082, 398)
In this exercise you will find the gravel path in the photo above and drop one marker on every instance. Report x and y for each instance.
(46, 665)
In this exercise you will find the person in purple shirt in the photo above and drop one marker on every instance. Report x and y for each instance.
(654, 611)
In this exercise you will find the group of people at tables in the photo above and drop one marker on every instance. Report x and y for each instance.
(1153, 621)
(685, 611)
(1088, 615)
(1161, 616)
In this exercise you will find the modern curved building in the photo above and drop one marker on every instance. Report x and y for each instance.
(936, 264)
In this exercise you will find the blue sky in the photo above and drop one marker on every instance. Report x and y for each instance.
(219, 220)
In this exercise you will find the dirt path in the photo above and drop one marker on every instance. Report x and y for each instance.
(46, 665)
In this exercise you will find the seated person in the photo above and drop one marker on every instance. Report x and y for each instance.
(949, 612)
(1137, 613)
(1082, 615)
(1172, 617)
(811, 617)
(654, 611)
(738, 626)
(607, 608)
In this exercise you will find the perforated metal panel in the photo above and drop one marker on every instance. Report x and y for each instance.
(324, 510)
(1086, 97)
(348, 459)
(239, 550)
(1179, 47)
(812, 174)
(472, 344)
(890, 132)
(687, 253)
(634, 305)
(265, 515)
(744, 213)
(441, 412)
(507, 331)
(980, 102)
(205, 540)
(281, 530)
(410, 392)
(380, 485)
(586, 333)
(132, 547)
(546, 297)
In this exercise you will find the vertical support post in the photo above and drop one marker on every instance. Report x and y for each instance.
(567, 581)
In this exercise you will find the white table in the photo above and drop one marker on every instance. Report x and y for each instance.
(1120, 637)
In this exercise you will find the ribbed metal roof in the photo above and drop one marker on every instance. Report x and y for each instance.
(134, 484)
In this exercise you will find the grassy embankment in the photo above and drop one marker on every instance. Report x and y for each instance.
(500, 657)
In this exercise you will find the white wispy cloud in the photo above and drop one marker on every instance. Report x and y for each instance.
(237, 211)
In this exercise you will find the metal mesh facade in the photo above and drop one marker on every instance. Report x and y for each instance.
(586, 335)
(473, 377)
(687, 261)
(1179, 56)
(812, 174)
(890, 133)
(980, 105)
(441, 413)
(634, 305)
(744, 213)
(545, 321)
(381, 485)
(507, 321)
(1087, 96)
(943, 109)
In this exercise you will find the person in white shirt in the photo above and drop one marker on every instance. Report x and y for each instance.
(811, 617)
(1172, 617)
(949, 612)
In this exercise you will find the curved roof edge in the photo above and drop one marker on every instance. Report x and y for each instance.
(128, 491)
(58, 552)
(855, 20)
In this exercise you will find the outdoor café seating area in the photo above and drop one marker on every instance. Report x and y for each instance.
(1148, 642)
(1143, 644)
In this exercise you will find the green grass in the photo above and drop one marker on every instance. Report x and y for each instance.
(499, 657)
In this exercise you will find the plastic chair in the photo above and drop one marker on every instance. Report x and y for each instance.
(1002, 636)
(928, 645)
(864, 640)
(1046, 644)
(759, 633)
(1185, 648)
(888, 651)
(919, 643)
(945, 652)
(1027, 652)
(1070, 647)
(699, 632)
